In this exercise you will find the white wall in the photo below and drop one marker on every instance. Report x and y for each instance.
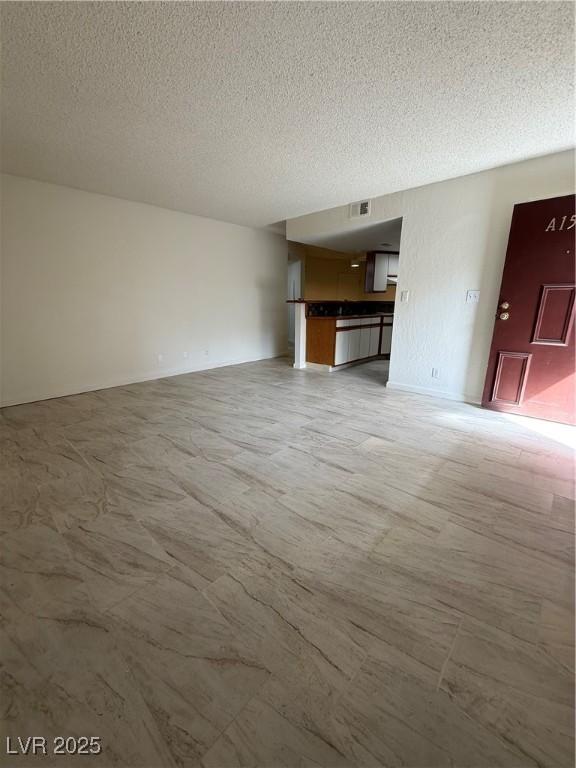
(94, 288)
(454, 237)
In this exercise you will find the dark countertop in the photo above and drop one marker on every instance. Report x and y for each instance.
(343, 302)
(358, 309)
(351, 317)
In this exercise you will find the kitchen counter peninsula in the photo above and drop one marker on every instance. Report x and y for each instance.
(338, 333)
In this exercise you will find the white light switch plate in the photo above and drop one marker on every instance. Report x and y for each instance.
(405, 296)
(472, 297)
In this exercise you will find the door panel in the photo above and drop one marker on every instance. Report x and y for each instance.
(510, 379)
(555, 315)
(531, 364)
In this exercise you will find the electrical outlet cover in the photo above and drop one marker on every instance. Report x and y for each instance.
(472, 297)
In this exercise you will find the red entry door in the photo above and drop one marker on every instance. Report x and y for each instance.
(531, 364)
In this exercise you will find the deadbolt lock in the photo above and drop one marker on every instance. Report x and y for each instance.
(504, 315)
(505, 305)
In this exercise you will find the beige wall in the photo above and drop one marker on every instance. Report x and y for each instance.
(454, 237)
(98, 291)
(328, 275)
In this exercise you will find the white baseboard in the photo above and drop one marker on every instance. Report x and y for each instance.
(315, 367)
(126, 381)
(457, 396)
(340, 366)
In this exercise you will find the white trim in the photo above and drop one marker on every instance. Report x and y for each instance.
(360, 360)
(459, 397)
(124, 382)
(341, 366)
(299, 335)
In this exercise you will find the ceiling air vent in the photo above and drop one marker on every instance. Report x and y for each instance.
(358, 210)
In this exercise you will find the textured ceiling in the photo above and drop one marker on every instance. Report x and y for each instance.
(258, 112)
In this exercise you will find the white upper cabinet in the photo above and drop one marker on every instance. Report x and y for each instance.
(393, 263)
(380, 272)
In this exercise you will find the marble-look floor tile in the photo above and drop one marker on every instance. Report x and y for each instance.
(115, 555)
(477, 576)
(505, 491)
(88, 691)
(259, 566)
(194, 670)
(562, 483)
(52, 462)
(401, 508)
(556, 632)
(380, 607)
(19, 500)
(199, 537)
(348, 519)
(516, 690)
(261, 737)
(563, 514)
(394, 714)
(75, 500)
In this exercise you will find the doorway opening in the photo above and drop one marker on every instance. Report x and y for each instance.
(347, 285)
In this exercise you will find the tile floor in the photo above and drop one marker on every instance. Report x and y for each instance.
(257, 566)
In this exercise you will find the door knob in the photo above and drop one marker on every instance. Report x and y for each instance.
(504, 315)
(505, 305)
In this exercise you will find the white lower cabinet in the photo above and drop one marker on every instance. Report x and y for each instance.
(374, 341)
(354, 344)
(364, 342)
(360, 343)
(386, 339)
(341, 350)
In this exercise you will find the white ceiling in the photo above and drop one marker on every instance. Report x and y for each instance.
(258, 112)
(371, 237)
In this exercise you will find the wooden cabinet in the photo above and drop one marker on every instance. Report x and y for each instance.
(320, 340)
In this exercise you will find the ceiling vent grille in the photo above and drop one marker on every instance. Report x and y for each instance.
(359, 210)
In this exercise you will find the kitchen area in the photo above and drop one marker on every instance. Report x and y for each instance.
(341, 333)
(343, 309)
